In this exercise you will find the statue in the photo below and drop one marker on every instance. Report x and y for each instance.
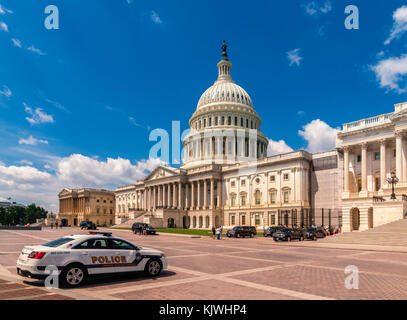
(224, 48)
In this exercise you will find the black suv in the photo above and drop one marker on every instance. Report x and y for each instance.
(136, 228)
(238, 232)
(315, 232)
(88, 225)
(288, 234)
(271, 230)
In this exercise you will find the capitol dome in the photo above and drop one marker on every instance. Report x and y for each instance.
(225, 126)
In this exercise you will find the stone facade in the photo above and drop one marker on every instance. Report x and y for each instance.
(76, 205)
(373, 148)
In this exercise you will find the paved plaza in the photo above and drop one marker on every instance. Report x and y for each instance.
(203, 268)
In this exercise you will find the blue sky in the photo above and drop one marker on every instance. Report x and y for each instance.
(77, 104)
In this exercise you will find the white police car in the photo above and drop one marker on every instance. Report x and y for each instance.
(78, 256)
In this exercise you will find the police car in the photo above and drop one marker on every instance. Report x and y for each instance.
(76, 257)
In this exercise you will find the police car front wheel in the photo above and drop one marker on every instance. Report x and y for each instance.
(153, 268)
(73, 275)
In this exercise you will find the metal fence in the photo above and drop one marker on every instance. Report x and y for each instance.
(307, 217)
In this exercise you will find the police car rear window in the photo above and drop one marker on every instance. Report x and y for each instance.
(58, 242)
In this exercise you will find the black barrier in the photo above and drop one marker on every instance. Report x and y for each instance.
(19, 228)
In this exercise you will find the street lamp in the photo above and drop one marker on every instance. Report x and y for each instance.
(393, 180)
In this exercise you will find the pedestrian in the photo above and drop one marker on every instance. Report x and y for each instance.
(144, 230)
(56, 225)
(213, 232)
(218, 233)
(52, 225)
(61, 225)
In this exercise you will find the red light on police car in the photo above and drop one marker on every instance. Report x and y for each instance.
(36, 255)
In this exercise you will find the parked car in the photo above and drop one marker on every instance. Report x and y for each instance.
(271, 230)
(315, 232)
(136, 227)
(238, 232)
(288, 234)
(88, 225)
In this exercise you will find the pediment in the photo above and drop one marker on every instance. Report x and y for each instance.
(161, 172)
(65, 191)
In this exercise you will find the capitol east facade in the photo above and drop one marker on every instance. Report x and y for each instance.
(226, 178)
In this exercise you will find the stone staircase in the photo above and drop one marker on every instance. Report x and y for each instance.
(391, 234)
(128, 223)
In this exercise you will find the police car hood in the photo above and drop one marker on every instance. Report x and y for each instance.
(146, 250)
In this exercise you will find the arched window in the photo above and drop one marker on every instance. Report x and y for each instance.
(257, 196)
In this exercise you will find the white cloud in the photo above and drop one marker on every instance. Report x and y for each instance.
(155, 18)
(4, 10)
(294, 57)
(32, 141)
(28, 184)
(36, 50)
(27, 162)
(16, 42)
(399, 24)
(391, 72)
(277, 147)
(37, 116)
(314, 7)
(6, 92)
(3, 26)
(300, 112)
(319, 136)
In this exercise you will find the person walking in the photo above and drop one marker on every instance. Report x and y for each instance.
(213, 232)
(140, 230)
(144, 230)
(218, 233)
(56, 225)
(52, 225)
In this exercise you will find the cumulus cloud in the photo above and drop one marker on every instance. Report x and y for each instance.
(319, 136)
(6, 92)
(399, 24)
(3, 26)
(155, 18)
(27, 183)
(315, 7)
(277, 147)
(390, 73)
(294, 57)
(32, 141)
(37, 116)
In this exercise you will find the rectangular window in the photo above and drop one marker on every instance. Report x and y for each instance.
(235, 121)
(229, 121)
(223, 121)
(243, 182)
(286, 176)
(273, 219)
(233, 200)
(243, 200)
(286, 196)
(216, 121)
(204, 123)
(257, 220)
(243, 220)
(247, 123)
(359, 158)
(233, 184)
(273, 179)
(359, 185)
(241, 122)
(377, 155)
(210, 122)
(394, 153)
(273, 197)
(232, 220)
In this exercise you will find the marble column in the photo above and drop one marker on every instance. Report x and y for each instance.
(179, 195)
(205, 194)
(199, 195)
(364, 167)
(404, 159)
(174, 187)
(211, 196)
(219, 188)
(346, 169)
(165, 196)
(169, 195)
(186, 196)
(192, 195)
(160, 203)
(399, 150)
(382, 163)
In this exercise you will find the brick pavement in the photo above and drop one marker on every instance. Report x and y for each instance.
(202, 268)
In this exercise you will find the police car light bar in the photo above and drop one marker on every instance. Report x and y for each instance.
(106, 234)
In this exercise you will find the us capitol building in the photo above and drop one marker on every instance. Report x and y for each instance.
(226, 178)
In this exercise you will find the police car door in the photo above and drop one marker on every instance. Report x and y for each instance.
(127, 255)
(96, 254)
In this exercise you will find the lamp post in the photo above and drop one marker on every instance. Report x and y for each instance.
(393, 180)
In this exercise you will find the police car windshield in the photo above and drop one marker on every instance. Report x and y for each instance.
(57, 242)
